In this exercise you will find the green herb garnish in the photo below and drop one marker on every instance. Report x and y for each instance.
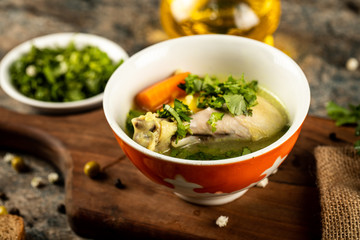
(128, 124)
(214, 117)
(180, 113)
(62, 74)
(235, 94)
(342, 116)
(245, 151)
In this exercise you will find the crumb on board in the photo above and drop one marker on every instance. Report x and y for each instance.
(8, 157)
(263, 183)
(53, 177)
(37, 182)
(222, 221)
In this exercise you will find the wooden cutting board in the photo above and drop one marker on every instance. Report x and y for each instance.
(287, 208)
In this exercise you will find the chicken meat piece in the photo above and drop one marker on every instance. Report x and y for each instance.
(266, 120)
(152, 132)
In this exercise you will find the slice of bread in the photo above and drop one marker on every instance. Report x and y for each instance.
(12, 227)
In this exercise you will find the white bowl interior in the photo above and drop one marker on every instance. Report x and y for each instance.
(114, 51)
(217, 55)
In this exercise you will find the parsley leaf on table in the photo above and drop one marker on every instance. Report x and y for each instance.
(357, 146)
(342, 116)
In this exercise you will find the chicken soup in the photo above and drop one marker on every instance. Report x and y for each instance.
(206, 118)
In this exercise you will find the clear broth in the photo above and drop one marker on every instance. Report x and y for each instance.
(214, 148)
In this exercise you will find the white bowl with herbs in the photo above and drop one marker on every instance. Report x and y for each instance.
(62, 72)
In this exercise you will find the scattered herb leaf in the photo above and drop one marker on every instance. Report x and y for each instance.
(342, 116)
(357, 146)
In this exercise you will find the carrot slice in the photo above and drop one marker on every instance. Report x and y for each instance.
(153, 97)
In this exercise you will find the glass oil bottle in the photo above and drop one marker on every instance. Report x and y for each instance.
(256, 19)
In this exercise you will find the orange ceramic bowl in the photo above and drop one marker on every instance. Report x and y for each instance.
(209, 182)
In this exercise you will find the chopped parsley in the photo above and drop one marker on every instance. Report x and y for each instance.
(128, 124)
(214, 117)
(62, 74)
(245, 151)
(180, 113)
(234, 95)
(342, 116)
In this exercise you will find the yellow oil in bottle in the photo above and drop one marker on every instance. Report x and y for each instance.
(256, 19)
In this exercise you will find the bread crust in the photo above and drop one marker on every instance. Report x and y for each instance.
(12, 227)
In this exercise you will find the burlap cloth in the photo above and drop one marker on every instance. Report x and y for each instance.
(338, 174)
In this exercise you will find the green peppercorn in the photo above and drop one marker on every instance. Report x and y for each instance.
(18, 164)
(92, 169)
(3, 210)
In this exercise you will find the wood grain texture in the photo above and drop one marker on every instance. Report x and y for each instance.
(288, 208)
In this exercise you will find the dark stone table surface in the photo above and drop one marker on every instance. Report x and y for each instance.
(319, 35)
